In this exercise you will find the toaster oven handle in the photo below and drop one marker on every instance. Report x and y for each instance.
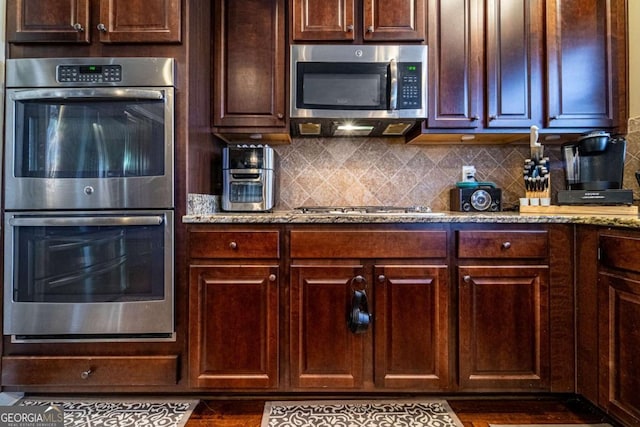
(87, 221)
(393, 87)
(87, 93)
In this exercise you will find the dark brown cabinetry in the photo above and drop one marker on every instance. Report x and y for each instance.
(71, 21)
(358, 20)
(405, 276)
(619, 326)
(233, 308)
(503, 310)
(487, 72)
(249, 67)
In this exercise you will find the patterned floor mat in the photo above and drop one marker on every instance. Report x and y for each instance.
(364, 413)
(119, 413)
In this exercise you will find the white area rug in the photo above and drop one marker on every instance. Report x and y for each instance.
(119, 413)
(360, 413)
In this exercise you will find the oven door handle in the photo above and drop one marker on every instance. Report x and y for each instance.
(87, 93)
(87, 221)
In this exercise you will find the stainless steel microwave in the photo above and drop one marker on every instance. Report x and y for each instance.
(372, 87)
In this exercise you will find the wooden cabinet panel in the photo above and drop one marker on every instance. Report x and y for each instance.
(503, 244)
(129, 21)
(48, 21)
(249, 63)
(620, 252)
(68, 21)
(504, 328)
(338, 20)
(368, 244)
(455, 64)
(514, 36)
(394, 20)
(411, 327)
(89, 371)
(233, 326)
(323, 19)
(580, 61)
(234, 244)
(619, 340)
(323, 352)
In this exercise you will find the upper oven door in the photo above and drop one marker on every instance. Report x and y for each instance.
(89, 148)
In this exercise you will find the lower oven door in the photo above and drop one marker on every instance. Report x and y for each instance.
(87, 275)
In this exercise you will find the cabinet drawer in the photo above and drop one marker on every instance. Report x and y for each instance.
(89, 371)
(234, 244)
(502, 244)
(620, 252)
(368, 244)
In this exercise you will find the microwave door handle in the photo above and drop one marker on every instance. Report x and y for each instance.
(87, 93)
(393, 89)
(87, 221)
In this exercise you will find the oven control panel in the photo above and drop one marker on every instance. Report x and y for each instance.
(89, 73)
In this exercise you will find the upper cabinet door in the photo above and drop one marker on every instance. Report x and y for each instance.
(514, 63)
(132, 21)
(51, 21)
(389, 20)
(455, 64)
(323, 20)
(582, 58)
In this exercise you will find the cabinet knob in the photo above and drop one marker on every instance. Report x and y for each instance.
(370, 29)
(492, 118)
(475, 118)
(506, 245)
(272, 277)
(85, 374)
(553, 118)
(467, 279)
(78, 27)
(280, 116)
(233, 245)
(102, 28)
(381, 278)
(349, 28)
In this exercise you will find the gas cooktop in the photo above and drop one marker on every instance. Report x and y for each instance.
(363, 209)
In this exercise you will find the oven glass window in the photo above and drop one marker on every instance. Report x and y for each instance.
(246, 192)
(89, 138)
(89, 264)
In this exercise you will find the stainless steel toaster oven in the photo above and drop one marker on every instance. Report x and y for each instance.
(248, 178)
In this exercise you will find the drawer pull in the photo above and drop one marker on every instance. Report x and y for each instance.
(233, 245)
(467, 279)
(506, 245)
(86, 374)
(272, 277)
(381, 278)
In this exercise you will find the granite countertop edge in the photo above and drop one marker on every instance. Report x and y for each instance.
(293, 217)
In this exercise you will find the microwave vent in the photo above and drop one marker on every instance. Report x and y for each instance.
(397, 129)
(307, 129)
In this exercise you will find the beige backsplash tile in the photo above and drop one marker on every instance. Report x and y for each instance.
(378, 171)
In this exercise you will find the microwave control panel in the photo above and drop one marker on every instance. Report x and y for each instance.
(89, 73)
(409, 85)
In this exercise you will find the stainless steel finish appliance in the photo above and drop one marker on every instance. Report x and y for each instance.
(89, 275)
(360, 90)
(594, 171)
(92, 133)
(89, 199)
(248, 178)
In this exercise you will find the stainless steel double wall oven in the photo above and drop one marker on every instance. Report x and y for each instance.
(89, 199)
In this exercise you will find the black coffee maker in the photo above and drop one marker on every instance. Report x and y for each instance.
(594, 170)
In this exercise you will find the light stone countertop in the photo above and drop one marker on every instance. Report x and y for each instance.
(294, 217)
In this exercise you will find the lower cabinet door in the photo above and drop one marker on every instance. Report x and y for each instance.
(504, 328)
(233, 326)
(619, 334)
(324, 353)
(411, 327)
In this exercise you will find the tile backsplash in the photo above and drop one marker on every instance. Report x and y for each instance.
(376, 171)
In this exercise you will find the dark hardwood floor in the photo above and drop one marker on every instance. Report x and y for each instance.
(472, 412)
